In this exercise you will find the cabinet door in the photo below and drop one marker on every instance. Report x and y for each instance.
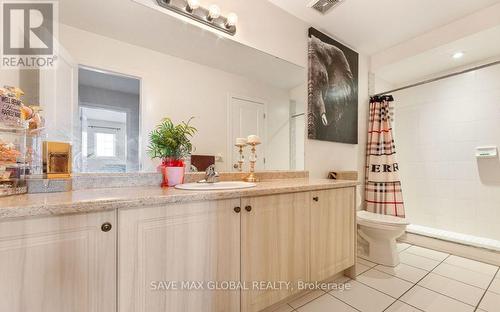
(58, 264)
(332, 232)
(275, 246)
(162, 247)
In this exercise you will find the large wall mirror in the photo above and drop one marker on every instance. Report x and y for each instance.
(125, 65)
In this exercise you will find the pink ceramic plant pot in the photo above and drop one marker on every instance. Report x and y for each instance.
(173, 172)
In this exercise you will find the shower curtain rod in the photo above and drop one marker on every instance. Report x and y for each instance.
(439, 78)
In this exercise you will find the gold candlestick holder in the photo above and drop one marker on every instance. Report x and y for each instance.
(241, 159)
(253, 159)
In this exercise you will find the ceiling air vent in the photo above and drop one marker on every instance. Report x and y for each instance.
(323, 6)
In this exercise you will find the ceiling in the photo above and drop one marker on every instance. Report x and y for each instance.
(373, 26)
(108, 81)
(144, 23)
(104, 115)
(478, 48)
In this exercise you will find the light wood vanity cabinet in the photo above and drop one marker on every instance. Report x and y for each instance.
(267, 238)
(69, 263)
(58, 264)
(195, 241)
(274, 245)
(333, 228)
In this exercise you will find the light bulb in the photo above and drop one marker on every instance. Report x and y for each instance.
(458, 55)
(232, 19)
(213, 12)
(193, 5)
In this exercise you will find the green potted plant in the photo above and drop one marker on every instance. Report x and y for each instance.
(171, 143)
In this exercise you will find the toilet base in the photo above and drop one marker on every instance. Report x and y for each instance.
(382, 248)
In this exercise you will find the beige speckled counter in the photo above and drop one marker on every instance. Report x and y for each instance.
(92, 200)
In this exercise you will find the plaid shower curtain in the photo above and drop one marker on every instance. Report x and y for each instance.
(383, 187)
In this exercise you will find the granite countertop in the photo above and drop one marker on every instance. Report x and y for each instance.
(92, 200)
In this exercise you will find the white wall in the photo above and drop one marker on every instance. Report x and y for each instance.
(9, 77)
(261, 25)
(177, 88)
(266, 27)
(437, 128)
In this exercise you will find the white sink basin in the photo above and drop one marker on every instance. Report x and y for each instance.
(229, 185)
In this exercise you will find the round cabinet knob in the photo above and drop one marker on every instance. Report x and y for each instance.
(316, 198)
(248, 208)
(106, 227)
(237, 209)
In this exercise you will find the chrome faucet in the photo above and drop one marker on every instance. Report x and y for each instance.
(211, 176)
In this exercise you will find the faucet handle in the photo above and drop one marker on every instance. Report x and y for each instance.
(211, 175)
(210, 170)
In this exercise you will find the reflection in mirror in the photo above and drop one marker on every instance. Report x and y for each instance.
(109, 122)
(297, 127)
(231, 90)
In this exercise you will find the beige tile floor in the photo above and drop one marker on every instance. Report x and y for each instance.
(425, 280)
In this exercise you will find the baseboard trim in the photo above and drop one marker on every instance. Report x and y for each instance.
(466, 251)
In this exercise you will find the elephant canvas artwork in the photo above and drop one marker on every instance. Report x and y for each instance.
(332, 90)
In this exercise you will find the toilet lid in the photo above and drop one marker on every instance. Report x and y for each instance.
(380, 218)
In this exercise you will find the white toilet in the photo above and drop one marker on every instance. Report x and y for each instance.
(381, 232)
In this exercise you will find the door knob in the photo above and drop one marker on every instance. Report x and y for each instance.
(237, 209)
(248, 208)
(106, 227)
(316, 198)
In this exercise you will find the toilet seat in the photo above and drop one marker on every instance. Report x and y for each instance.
(379, 220)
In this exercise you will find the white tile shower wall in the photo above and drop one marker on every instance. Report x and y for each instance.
(437, 128)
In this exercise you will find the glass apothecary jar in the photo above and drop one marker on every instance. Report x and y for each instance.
(13, 166)
(13, 132)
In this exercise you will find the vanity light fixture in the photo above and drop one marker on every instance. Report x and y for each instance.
(232, 20)
(211, 17)
(213, 12)
(192, 5)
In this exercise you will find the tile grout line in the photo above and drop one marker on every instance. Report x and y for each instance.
(466, 269)
(294, 309)
(406, 250)
(445, 295)
(461, 281)
(484, 294)
(375, 268)
(379, 290)
(328, 293)
(414, 284)
(324, 293)
(396, 299)
(453, 265)
(429, 272)
(452, 280)
(432, 271)
(400, 251)
(422, 257)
